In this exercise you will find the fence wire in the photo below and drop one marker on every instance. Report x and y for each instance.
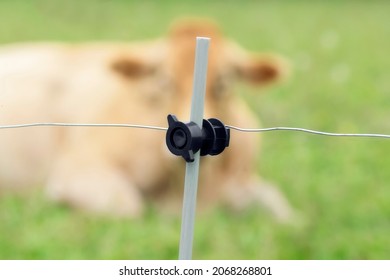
(309, 131)
(83, 125)
(256, 130)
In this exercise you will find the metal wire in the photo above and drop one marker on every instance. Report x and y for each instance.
(309, 131)
(256, 130)
(83, 125)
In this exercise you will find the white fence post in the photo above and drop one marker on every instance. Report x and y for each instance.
(192, 168)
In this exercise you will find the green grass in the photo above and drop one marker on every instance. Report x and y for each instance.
(341, 83)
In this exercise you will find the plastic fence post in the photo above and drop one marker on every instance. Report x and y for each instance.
(192, 168)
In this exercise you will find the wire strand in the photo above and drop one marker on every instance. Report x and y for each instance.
(256, 130)
(82, 125)
(309, 131)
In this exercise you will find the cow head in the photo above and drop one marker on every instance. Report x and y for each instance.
(169, 65)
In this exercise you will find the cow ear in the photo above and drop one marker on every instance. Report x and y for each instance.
(131, 67)
(264, 70)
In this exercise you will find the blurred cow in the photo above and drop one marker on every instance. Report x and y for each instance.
(112, 170)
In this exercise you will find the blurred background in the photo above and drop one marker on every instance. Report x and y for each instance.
(340, 83)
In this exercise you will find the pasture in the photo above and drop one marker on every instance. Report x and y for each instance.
(340, 83)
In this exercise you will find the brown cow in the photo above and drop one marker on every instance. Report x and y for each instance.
(112, 170)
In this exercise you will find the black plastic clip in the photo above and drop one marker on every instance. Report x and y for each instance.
(185, 139)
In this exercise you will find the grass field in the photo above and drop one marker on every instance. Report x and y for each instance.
(341, 83)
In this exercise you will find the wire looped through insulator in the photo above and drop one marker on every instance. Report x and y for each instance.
(255, 130)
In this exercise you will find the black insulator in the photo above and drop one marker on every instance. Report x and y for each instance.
(185, 139)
